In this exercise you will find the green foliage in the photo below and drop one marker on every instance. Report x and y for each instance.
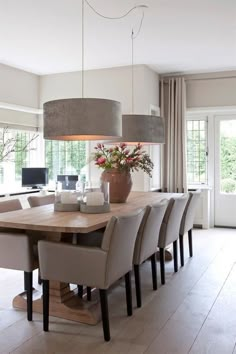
(228, 164)
(228, 185)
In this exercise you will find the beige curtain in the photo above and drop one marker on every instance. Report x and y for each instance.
(173, 107)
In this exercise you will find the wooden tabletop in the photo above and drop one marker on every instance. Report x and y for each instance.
(44, 218)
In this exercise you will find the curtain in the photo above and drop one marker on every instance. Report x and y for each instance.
(173, 107)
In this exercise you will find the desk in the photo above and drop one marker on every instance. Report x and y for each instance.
(64, 302)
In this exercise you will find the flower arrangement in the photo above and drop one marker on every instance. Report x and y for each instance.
(122, 158)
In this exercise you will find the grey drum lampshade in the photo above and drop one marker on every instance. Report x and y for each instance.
(82, 119)
(140, 128)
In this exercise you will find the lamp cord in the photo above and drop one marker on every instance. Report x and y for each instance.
(115, 17)
(133, 36)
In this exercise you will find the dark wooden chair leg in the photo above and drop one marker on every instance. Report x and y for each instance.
(175, 255)
(80, 290)
(128, 293)
(162, 265)
(39, 278)
(137, 285)
(181, 249)
(105, 316)
(28, 284)
(190, 242)
(89, 293)
(45, 305)
(154, 271)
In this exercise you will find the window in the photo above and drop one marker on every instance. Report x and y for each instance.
(18, 148)
(65, 157)
(197, 151)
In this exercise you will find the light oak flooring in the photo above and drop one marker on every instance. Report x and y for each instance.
(194, 312)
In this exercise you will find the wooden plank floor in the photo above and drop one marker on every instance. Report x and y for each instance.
(195, 312)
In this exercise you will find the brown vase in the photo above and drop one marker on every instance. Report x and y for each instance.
(120, 184)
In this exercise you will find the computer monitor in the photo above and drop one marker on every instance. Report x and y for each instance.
(68, 181)
(34, 177)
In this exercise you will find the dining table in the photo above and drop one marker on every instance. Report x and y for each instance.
(64, 302)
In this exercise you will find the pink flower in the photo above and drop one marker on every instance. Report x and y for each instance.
(123, 145)
(126, 152)
(101, 160)
(111, 150)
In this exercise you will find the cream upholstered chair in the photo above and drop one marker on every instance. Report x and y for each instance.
(169, 232)
(146, 243)
(35, 201)
(187, 223)
(106, 264)
(17, 252)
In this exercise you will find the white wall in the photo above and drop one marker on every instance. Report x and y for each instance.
(211, 90)
(113, 83)
(18, 87)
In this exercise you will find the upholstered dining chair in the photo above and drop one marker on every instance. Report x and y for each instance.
(107, 263)
(169, 232)
(17, 252)
(146, 243)
(187, 223)
(35, 201)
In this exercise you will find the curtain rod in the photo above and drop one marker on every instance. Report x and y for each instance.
(199, 79)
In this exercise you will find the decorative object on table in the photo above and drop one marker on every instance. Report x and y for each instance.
(118, 162)
(96, 202)
(66, 201)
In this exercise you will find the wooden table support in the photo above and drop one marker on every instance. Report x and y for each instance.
(64, 303)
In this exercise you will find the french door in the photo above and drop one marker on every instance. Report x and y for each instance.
(225, 170)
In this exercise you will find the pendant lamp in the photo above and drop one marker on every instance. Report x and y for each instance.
(82, 118)
(141, 128)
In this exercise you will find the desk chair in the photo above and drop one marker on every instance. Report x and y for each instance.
(169, 232)
(17, 252)
(187, 223)
(93, 266)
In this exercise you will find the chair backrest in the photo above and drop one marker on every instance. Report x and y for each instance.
(118, 241)
(189, 212)
(35, 201)
(148, 234)
(170, 226)
(16, 249)
(10, 205)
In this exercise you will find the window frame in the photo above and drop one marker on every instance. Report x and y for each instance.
(194, 117)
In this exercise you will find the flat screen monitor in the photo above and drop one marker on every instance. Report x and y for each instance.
(68, 181)
(34, 177)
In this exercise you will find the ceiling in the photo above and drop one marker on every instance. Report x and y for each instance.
(184, 36)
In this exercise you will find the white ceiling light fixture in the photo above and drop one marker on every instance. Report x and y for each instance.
(82, 118)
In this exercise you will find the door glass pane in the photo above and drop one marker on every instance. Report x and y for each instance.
(228, 156)
(196, 151)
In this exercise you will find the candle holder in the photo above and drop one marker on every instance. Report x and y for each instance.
(66, 201)
(96, 202)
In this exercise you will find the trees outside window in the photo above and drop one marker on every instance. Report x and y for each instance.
(65, 157)
(17, 150)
